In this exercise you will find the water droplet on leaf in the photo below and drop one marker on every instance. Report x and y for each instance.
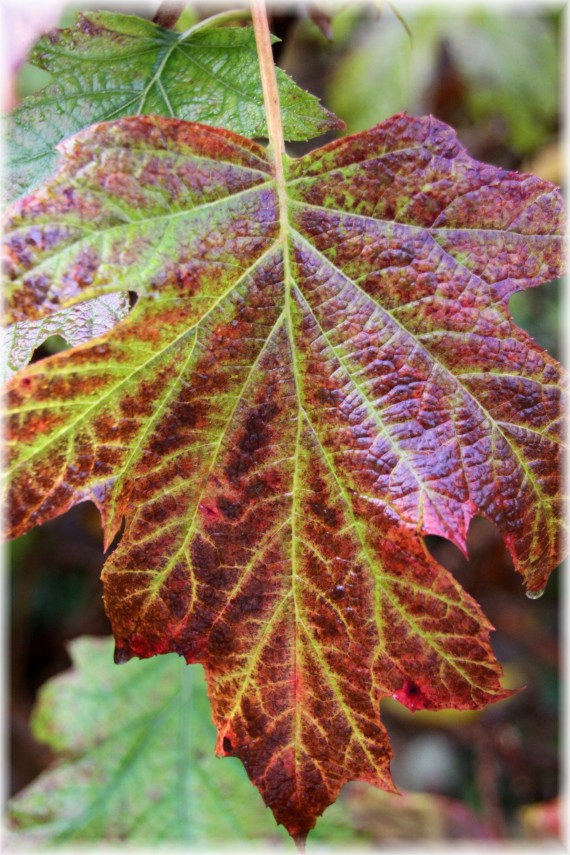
(338, 592)
(535, 595)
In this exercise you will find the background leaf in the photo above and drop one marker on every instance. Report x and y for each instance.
(135, 759)
(111, 65)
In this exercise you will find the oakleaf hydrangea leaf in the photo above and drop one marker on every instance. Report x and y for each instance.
(316, 374)
(111, 65)
(135, 760)
(76, 325)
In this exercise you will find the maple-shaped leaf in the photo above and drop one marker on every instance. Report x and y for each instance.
(110, 65)
(317, 372)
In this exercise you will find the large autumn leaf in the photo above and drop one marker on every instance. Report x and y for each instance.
(316, 374)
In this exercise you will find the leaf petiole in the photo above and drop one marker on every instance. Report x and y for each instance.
(269, 86)
(214, 20)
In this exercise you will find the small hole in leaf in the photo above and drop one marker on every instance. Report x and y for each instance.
(227, 745)
(537, 311)
(53, 344)
(117, 539)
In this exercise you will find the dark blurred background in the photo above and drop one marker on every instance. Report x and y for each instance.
(495, 77)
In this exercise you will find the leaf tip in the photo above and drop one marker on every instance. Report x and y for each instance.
(336, 123)
(300, 842)
(122, 653)
(323, 21)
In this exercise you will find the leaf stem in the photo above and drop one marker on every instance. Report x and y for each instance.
(214, 20)
(269, 85)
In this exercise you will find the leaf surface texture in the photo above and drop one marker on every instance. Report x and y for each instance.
(77, 324)
(315, 376)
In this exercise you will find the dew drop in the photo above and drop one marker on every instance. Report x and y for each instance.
(535, 595)
(338, 592)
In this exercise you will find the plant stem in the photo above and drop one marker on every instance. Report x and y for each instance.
(214, 20)
(269, 85)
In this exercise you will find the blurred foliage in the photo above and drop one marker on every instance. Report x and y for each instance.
(489, 68)
(543, 820)
(135, 759)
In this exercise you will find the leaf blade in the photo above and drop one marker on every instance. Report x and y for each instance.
(298, 437)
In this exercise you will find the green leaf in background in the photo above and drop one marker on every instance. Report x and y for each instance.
(135, 759)
(110, 65)
(388, 72)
